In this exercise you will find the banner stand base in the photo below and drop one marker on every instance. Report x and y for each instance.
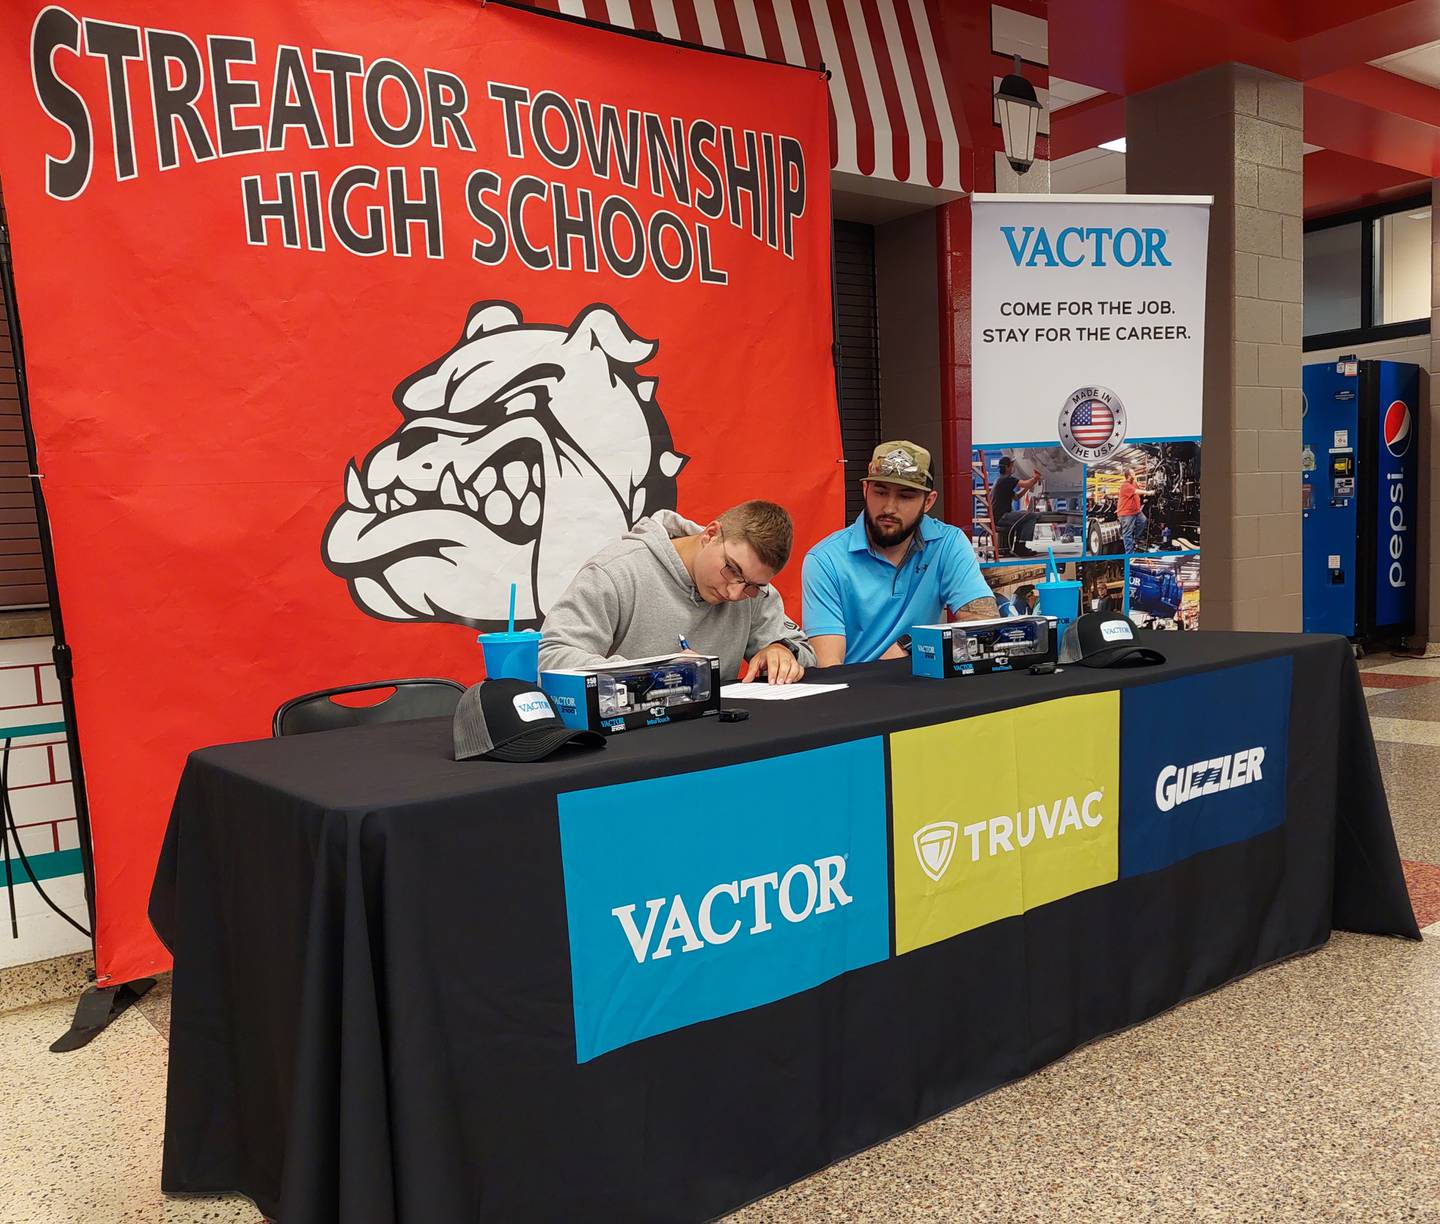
(97, 1008)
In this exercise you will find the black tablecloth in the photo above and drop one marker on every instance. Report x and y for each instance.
(372, 996)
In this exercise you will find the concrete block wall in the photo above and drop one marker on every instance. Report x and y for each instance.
(43, 802)
(1234, 132)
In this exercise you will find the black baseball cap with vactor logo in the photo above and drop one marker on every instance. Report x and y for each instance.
(512, 720)
(1105, 639)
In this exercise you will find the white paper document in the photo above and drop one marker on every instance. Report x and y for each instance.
(761, 691)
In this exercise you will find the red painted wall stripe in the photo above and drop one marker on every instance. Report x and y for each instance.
(890, 91)
(859, 103)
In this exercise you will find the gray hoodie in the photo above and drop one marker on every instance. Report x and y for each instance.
(633, 599)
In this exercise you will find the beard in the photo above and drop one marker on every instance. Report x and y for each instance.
(889, 536)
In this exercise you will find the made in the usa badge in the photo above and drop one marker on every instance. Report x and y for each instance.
(1092, 424)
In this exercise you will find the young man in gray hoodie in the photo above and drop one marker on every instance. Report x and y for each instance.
(668, 582)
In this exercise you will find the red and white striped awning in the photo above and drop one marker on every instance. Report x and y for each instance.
(891, 114)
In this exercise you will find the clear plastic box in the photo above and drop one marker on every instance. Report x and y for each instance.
(628, 690)
(999, 639)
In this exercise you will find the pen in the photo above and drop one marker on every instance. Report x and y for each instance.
(684, 645)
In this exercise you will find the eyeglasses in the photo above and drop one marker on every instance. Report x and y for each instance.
(734, 576)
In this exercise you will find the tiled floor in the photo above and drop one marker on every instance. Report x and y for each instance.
(1309, 1091)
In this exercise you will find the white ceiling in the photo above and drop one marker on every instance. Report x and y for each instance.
(1103, 170)
(1065, 93)
(1418, 63)
(1022, 34)
(1090, 170)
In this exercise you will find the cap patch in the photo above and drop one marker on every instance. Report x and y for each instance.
(533, 705)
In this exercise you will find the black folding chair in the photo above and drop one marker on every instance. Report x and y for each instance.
(420, 698)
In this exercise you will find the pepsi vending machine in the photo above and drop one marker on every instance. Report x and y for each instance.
(1359, 469)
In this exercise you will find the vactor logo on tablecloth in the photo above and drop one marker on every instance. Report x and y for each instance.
(752, 904)
(688, 898)
(523, 450)
(1209, 768)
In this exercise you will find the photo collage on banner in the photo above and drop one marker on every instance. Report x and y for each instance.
(1087, 334)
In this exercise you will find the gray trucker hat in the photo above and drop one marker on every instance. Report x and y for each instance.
(512, 720)
(1106, 639)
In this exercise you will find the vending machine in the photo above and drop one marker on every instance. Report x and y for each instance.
(1359, 466)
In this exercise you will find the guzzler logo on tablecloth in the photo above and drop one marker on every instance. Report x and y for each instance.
(1204, 762)
(1178, 784)
(690, 897)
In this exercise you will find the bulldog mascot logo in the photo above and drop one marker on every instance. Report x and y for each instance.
(522, 452)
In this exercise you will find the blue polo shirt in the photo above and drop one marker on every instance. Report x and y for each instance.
(851, 590)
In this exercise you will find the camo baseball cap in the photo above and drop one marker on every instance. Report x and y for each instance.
(902, 463)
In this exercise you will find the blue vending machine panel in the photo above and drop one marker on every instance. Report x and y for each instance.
(1329, 506)
(1393, 498)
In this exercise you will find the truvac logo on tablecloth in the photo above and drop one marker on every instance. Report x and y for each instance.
(935, 847)
(1019, 828)
(1005, 834)
(687, 899)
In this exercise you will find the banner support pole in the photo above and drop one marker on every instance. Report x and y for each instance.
(64, 659)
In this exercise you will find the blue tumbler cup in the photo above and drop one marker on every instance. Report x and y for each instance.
(1059, 598)
(513, 656)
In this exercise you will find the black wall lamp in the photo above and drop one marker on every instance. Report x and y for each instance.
(1019, 118)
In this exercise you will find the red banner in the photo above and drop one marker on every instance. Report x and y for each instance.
(340, 318)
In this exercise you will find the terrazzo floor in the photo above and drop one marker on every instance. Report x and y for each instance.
(1308, 1091)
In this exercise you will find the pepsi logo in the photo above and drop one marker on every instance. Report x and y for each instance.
(1396, 428)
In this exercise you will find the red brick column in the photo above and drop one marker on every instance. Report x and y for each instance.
(953, 242)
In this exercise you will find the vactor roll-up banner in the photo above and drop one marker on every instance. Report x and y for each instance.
(1087, 343)
(342, 317)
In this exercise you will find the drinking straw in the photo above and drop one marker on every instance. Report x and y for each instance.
(1053, 573)
(512, 607)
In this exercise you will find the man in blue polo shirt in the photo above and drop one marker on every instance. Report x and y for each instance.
(867, 585)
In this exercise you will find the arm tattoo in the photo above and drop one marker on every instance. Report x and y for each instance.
(978, 609)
